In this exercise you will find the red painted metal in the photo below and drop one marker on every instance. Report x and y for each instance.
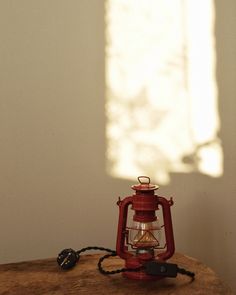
(144, 203)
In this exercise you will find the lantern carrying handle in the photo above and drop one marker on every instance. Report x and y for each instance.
(144, 177)
(121, 249)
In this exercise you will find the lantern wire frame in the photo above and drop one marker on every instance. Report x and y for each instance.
(134, 234)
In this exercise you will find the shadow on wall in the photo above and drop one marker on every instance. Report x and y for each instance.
(158, 118)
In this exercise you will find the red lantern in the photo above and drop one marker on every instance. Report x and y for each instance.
(139, 242)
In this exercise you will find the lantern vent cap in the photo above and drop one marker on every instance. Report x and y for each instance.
(144, 184)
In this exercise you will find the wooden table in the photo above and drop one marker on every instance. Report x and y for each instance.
(45, 277)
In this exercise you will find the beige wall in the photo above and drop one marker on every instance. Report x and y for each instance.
(54, 191)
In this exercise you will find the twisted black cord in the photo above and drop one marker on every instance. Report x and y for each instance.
(112, 272)
(94, 248)
(112, 254)
(68, 258)
(186, 272)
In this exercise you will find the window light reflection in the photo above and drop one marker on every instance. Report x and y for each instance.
(161, 105)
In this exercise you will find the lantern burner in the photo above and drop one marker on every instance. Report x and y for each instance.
(145, 251)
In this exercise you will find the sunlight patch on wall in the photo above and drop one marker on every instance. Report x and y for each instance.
(161, 92)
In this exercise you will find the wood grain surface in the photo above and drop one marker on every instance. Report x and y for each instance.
(45, 277)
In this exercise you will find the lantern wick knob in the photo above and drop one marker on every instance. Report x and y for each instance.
(144, 180)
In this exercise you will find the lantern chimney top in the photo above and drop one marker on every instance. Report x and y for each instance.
(144, 185)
